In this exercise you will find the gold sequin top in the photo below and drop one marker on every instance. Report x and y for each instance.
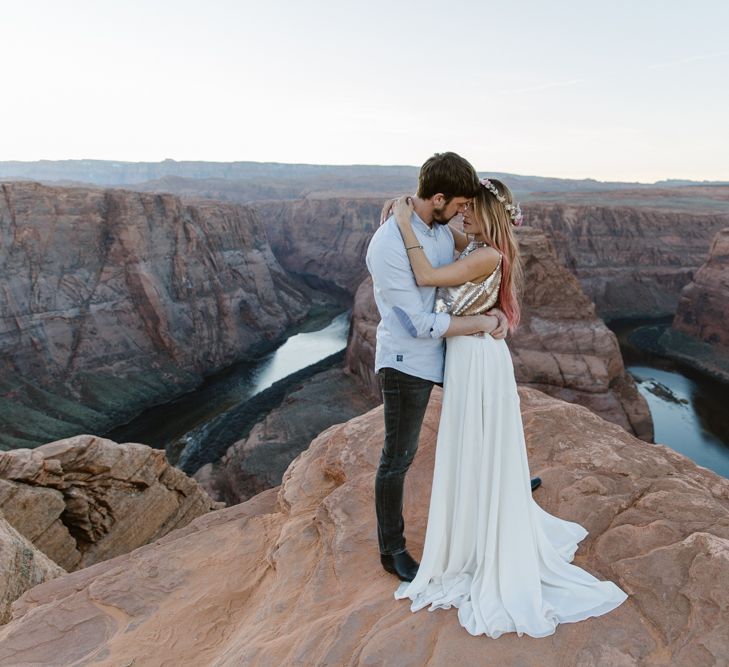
(470, 298)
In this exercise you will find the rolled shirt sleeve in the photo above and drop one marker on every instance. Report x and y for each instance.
(395, 282)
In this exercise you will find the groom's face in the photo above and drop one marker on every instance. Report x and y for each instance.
(443, 212)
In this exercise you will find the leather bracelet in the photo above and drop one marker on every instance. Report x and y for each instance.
(412, 247)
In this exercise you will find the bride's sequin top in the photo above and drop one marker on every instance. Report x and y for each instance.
(470, 298)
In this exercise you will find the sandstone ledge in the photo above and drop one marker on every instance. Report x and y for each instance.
(292, 576)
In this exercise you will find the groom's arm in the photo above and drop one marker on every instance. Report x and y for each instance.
(395, 283)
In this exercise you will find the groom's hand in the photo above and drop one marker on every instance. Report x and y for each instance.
(503, 328)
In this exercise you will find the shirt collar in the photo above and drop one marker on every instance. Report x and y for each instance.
(418, 222)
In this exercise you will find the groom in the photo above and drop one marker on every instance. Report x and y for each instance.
(409, 356)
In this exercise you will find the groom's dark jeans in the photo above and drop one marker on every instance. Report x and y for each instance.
(405, 399)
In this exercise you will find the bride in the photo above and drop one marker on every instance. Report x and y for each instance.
(490, 550)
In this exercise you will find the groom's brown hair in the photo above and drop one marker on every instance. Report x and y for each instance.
(448, 174)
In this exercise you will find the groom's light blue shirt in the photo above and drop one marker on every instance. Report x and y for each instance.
(409, 336)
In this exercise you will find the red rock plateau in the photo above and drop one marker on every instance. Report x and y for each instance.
(292, 577)
(112, 301)
(561, 347)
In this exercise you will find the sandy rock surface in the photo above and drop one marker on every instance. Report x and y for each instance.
(292, 576)
(22, 566)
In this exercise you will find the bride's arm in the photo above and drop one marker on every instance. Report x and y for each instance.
(479, 263)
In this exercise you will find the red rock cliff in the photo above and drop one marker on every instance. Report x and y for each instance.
(703, 309)
(631, 261)
(322, 240)
(112, 300)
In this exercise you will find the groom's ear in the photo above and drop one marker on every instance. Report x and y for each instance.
(439, 199)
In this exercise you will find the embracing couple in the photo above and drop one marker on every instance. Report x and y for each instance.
(490, 550)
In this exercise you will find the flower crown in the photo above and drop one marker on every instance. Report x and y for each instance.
(514, 211)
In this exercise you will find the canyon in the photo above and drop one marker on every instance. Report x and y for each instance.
(112, 298)
(631, 261)
(112, 301)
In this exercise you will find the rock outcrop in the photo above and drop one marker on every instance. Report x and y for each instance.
(561, 347)
(113, 300)
(22, 566)
(86, 499)
(292, 575)
(259, 461)
(703, 309)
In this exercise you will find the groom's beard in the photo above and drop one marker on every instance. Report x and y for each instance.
(438, 217)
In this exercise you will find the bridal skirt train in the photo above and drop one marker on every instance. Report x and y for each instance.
(490, 550)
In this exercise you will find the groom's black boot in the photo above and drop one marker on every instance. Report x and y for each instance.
(403, 565)
(536, 482)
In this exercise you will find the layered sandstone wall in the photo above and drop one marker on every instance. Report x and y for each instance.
(322, 240)
(631, 261)
(699, 335)
(560, 347)
(22, 566)
(292, 576)
(113, 300)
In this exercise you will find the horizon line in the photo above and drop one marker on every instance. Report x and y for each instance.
(358, 164)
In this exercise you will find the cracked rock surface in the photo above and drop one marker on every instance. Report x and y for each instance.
(292, 576)
(85, 499)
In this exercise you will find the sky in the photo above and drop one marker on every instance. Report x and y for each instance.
(624, 90)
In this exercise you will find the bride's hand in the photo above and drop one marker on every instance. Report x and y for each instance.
(503, 324)
(387, 210)
(403, 209)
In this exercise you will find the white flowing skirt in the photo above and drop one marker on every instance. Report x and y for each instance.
(490, 550)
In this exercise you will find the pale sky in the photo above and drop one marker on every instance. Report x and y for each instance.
(620, 90)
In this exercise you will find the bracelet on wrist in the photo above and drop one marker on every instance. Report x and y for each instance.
(412, 247)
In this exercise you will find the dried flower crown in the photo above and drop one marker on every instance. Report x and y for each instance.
(514, 210)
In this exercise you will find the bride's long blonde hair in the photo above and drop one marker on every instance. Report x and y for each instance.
(497, 229)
